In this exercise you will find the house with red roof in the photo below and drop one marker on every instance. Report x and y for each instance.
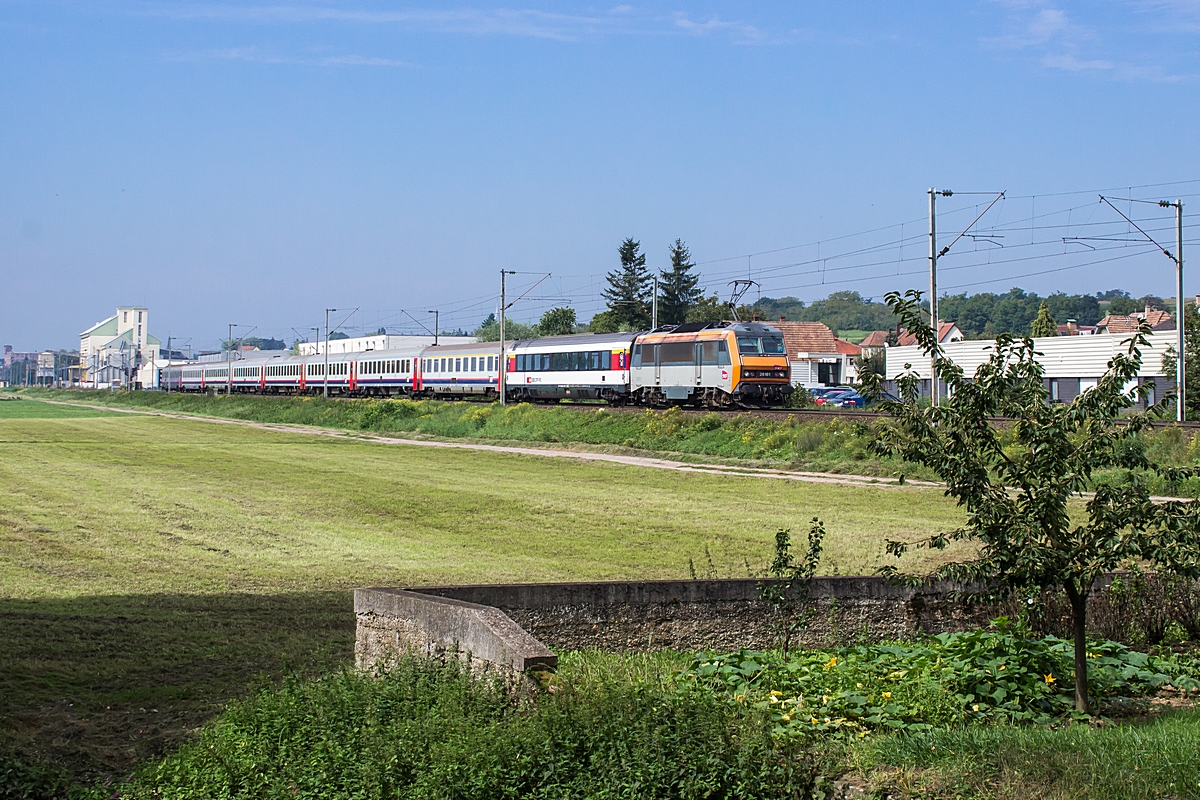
(1158, 321)
(816, 356)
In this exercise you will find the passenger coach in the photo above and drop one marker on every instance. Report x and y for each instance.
(703, 364)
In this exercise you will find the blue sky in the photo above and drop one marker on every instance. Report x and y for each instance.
(258, 162)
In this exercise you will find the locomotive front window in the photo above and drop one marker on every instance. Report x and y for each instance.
(749, 346)
(772, 346)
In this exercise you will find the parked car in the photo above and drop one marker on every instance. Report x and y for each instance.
(850, 398)
(821, 391)
(834, 398)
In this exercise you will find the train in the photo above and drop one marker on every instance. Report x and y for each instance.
(714, 365)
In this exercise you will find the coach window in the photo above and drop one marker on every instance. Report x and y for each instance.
(723, 353)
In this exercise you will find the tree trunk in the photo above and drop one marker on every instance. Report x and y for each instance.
(1078, 597)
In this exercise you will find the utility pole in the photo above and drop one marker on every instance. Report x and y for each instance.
(934, 255)
(168, 363)
(654, 312)
(229, 356)
(1182, 375)
(1177, 257)
(229, 362)
(501, 383)
(325, 392)
(435, 327)
(933, 314)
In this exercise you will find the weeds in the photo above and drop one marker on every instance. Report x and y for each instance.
(995, 675)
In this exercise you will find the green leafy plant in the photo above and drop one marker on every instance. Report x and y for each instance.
(788, 594)
(1016, 488)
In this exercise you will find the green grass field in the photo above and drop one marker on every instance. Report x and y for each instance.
(151, 568)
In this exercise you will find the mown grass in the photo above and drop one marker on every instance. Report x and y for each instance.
(833, 445)
(151, 567)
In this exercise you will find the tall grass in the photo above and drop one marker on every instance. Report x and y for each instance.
(428, 730)
(1154, 759)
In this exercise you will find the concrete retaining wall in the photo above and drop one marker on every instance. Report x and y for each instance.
(393, 621)
(512, 626)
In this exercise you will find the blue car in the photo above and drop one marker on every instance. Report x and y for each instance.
(850, 398)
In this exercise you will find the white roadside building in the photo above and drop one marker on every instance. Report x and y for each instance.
(1072, 364)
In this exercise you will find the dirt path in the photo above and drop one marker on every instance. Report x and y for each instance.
(581, 455)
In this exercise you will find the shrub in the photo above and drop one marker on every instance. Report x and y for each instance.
(427, 730)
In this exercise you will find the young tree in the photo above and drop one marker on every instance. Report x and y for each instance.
(1044, 325)
(629, 289)
(557, 322)
(490, 330)
(1017, 496)
(678, 288)
(709, 309)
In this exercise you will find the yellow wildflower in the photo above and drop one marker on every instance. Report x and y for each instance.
(786, 718)
(775, 693)
(813, 720)
(832, 663)
(1001, 666)
(887, 695)
(1049, 679)
(975, 707)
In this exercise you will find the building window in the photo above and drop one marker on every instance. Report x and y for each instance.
(124, 316)
(829, 374)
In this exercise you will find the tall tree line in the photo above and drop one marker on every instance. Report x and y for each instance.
(629, 293)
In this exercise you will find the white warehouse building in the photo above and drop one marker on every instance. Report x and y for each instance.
(1072, 364)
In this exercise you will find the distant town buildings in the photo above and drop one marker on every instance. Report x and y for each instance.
(120, 352)
(47, 368)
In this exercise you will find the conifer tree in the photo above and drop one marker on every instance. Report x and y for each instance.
(678, 288)
(1044, 325)
(628, 292)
